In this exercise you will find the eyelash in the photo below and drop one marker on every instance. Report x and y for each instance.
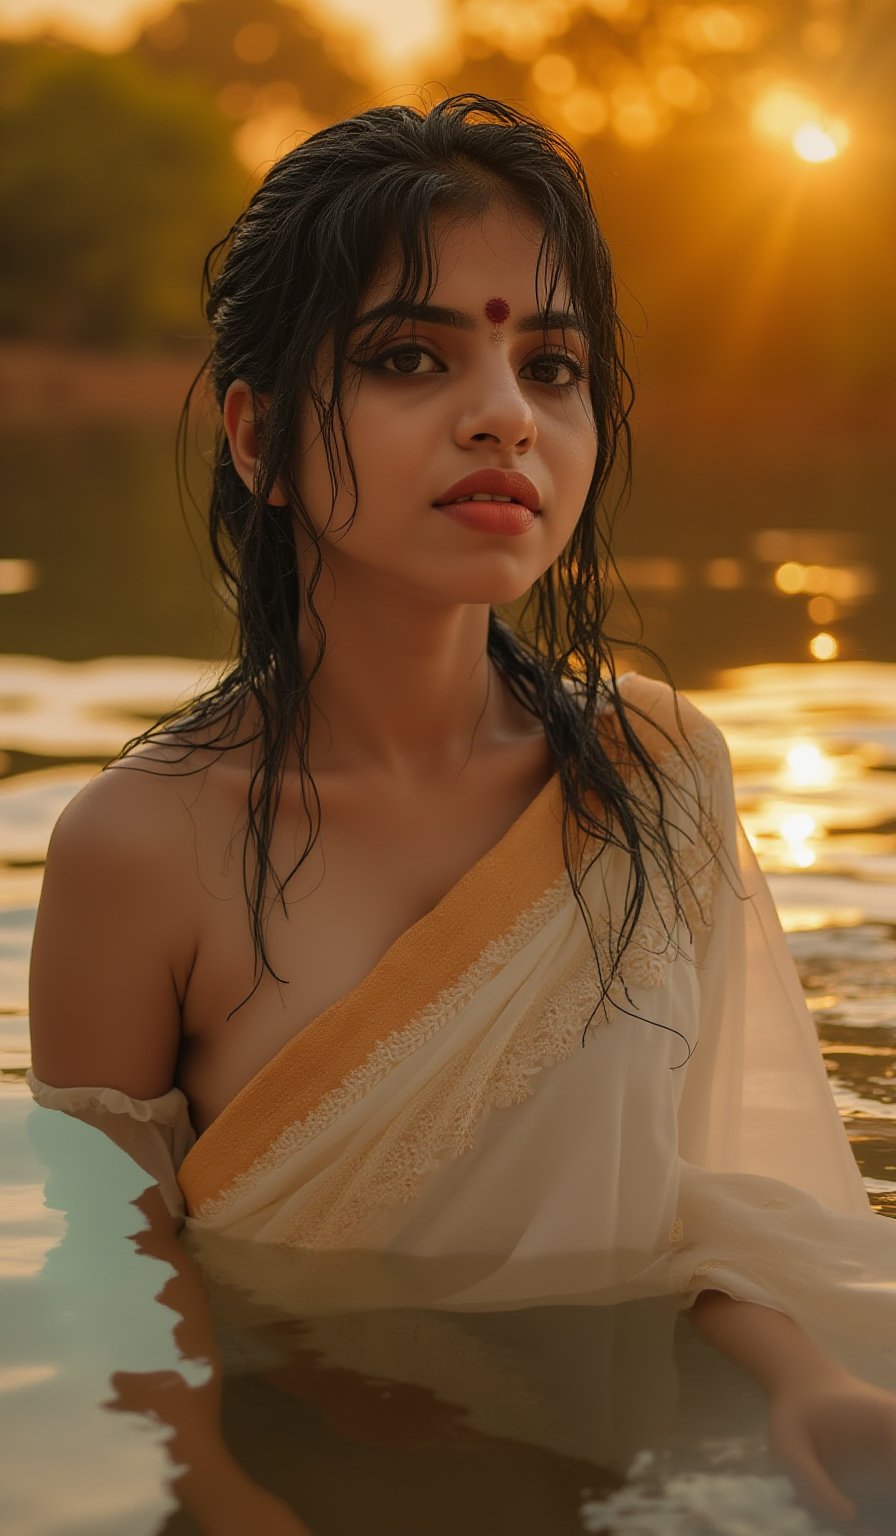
(377, 365)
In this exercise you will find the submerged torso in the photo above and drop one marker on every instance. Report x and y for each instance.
(385, 857)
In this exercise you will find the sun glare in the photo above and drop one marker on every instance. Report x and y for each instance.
(795, 830)
(815, 143)
(808, 767)
(789, 116)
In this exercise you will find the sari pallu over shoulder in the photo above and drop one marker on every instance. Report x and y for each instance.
(484, 1160)
(349, 1136)
(440, 1137)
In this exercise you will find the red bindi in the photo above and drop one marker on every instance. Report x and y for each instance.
(497, 310)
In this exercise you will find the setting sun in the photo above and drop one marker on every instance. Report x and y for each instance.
(790, 116)
(815, 143)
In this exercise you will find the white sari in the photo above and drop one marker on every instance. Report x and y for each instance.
(440, 1136)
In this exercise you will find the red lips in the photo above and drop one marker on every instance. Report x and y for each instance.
(499, 482)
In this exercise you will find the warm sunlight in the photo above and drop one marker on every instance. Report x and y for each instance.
(789, 115)
(824, 647)
(102, 24)
(814, 143)
(796, 829)
(396, 31)
(808, 767)
(790, 577)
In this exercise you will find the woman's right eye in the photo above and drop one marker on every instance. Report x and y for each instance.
(400, 356)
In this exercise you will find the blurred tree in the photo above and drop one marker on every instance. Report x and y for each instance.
(757, 267)
(275, 72)
(124, 170)
(639, 69)
(114, 186)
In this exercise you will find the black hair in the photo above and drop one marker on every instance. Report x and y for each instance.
(290, 274)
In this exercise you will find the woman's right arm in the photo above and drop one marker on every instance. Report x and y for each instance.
(114, 943)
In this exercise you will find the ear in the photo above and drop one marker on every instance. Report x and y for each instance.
(240, 424)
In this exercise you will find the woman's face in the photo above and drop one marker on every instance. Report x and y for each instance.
(439, 401)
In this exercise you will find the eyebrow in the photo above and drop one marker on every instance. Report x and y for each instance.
(436, 314)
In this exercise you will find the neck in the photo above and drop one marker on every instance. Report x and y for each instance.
(405, 689)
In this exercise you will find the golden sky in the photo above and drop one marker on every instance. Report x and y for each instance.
(409, 41)
(413, 28)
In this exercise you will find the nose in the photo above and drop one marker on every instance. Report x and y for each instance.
(496, 409)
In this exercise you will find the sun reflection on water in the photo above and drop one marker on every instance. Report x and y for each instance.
(796, 828)
(808, 767)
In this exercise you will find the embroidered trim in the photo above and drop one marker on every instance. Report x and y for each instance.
(443, 1123)
(387, 1053)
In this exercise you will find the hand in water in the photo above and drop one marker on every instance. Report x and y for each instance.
(833, 1435)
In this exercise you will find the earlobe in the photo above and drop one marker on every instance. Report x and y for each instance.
(238, 412)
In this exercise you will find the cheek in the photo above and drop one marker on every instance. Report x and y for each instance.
(313, 475)
(390, 451)
(579, 449)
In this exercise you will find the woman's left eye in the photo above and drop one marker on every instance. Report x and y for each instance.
(559, 360)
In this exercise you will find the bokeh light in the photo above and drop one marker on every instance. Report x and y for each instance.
(18, 576)
(724, 574)
(586, 111)
(824, 646)
(815, 143)
(719, 28)
(681, 88)
(790, 577)
(822, 609)
(779, 112)
(790, 115)
(554, 74)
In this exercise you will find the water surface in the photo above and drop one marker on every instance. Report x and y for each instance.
(672, 1442)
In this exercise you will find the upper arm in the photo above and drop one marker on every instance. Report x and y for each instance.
(113, 936)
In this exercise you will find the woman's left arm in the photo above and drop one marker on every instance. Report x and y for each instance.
(822, 1418)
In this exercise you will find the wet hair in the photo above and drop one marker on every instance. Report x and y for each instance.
(291, 274)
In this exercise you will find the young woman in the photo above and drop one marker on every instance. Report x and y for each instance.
(415, 936)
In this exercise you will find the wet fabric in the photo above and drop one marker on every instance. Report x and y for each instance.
(466, 1120)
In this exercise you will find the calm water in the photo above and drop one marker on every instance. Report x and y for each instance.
(766, 519)
(518, 1438)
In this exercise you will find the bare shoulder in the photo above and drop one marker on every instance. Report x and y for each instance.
(169, 772)
(136, 827)
(115, 933)
(666, 720)
(141, 799)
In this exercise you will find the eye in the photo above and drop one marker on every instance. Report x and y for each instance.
(404, 359)
(551, 361)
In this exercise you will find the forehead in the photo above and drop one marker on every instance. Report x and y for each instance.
(494, 250)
